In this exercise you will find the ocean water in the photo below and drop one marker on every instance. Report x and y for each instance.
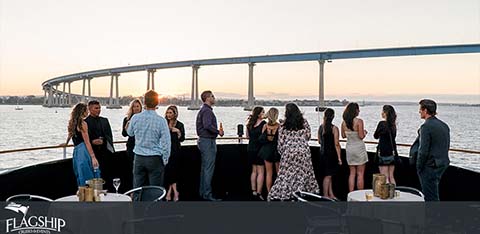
(37, 126)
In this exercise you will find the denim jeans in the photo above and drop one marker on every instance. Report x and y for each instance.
(82, 164)
(147, 170)
(429, 180)
(208, 151)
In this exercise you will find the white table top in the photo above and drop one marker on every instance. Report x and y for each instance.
(110, 197)
(359, 195)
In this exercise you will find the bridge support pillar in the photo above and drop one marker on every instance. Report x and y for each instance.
(57, 98)
(63, 96)
(50, 96)
(69, 102)
(151, 79)
(195, 102)
(321, 88)
(114, 103)
(251, 98)
(89, 88)
(117, 100)
(44, 97)
(83, 90)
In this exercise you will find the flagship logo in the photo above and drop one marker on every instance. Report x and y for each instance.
(32, 224)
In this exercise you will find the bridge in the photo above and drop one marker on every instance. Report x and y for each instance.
(54, 97)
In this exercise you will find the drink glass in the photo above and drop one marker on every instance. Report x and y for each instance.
(116, 184)
(368, 196)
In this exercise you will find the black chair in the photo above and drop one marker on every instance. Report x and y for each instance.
(27, 197)
(410, 190)
(306, 197)
(147, 193)
(322, 213)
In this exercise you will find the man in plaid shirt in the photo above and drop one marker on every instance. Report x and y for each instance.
(152, 143)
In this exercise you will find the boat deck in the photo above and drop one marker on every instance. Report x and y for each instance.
(231, 180)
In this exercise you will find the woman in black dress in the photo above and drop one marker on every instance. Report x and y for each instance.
(328, 138)
(135, 107)
(387, 147)
(177, 135)
(268, 151)
(254, 130)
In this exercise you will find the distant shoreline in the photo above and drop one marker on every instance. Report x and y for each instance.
(124, 101)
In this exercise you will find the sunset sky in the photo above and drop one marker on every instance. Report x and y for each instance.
(44, 39)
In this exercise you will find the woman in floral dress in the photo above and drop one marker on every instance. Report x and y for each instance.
(296, 170)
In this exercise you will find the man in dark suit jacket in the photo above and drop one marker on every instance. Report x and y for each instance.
(430, 150)
(100, 134)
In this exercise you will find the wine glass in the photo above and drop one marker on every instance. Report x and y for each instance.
(116, 184)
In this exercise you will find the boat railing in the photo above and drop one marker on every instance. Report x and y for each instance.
(239, 139)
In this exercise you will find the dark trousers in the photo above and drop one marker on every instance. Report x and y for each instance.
(147, 170)
(208, 151)
(429, 180)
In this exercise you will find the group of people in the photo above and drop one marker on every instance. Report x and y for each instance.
(92, 138)
(282, 148)
(275, 147)
(153, 144)
(152, 147)
(292, 156)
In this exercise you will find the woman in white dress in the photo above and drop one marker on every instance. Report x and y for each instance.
(353, 130)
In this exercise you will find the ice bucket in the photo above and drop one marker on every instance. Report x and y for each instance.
(96, 183)
(377, 182)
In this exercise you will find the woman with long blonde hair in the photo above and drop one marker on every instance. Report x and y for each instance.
(134, 108)
(268, 151)
(177, 135)
(85, 164)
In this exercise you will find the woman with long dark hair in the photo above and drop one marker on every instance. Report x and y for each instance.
(387, 147)
(134, 108)
(328, 138)
(296, 170)
(84, 161)
(255, 124)
(177, 135)
(353, 129)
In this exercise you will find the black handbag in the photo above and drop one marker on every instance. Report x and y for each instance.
(383, 160)
(387, 160)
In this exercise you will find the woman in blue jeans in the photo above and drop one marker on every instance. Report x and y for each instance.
(85, 165)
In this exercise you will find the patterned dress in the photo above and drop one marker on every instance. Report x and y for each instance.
(296, 170)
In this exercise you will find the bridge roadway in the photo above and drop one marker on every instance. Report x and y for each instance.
(56, 97)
